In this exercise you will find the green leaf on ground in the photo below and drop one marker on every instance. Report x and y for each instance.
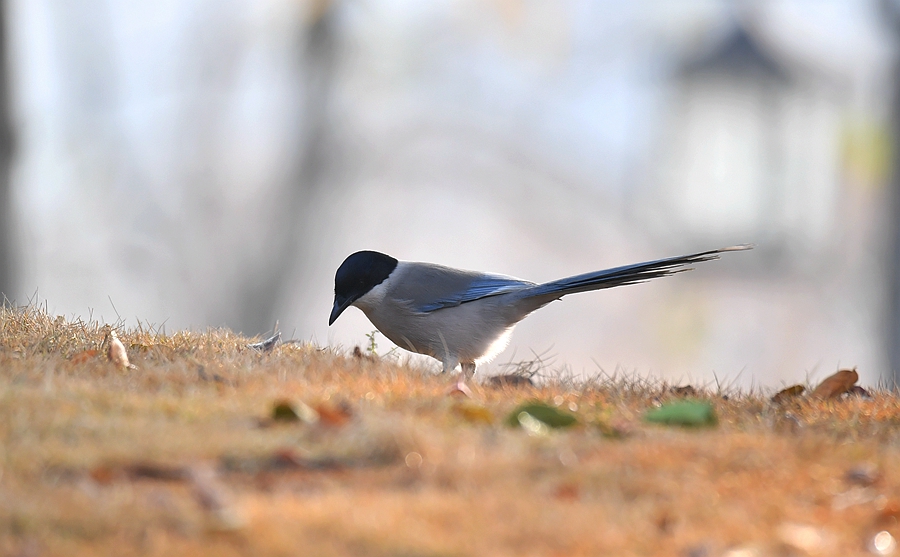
(693, 413)
(547, 415)
(286, 411)
(283, 411)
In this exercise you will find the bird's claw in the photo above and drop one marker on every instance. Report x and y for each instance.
(460, 389)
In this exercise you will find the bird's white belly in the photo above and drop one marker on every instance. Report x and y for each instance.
(496, 347)
(469, 333)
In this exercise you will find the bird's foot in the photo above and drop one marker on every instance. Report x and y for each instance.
(460, 389)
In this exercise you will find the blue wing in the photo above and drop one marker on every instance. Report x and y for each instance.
(432, 287)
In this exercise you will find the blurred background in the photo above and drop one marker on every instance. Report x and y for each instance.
(198, 163)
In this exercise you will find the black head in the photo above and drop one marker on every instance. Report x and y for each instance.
(359, 273)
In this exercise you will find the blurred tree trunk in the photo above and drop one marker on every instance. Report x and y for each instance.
(305, 192)
(891, 9)
(893, 243)
(7, 249)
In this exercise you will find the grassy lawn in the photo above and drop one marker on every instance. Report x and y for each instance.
(182, 456)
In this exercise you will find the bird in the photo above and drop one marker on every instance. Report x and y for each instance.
(465, 318)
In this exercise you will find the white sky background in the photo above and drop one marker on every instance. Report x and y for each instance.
(155, 139)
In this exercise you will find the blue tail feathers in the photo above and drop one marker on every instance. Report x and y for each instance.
(627, 274)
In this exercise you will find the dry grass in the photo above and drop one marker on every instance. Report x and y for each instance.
(179, 457)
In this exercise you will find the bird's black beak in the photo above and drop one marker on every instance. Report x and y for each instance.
(339, 306)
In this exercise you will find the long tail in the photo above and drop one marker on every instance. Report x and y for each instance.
(620, 276)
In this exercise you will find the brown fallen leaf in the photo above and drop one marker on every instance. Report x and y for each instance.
(334, 415)
(864, 474)
(84, 356)
(103, 475)
(509, 380)
(785, 394)
(566, 491)
(359, 355)
(285, 458)
(665, 522)
(836, 385)
(856, 390)
(686, 390)
(153, 471)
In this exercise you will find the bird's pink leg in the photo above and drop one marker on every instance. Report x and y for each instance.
(466, 371)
